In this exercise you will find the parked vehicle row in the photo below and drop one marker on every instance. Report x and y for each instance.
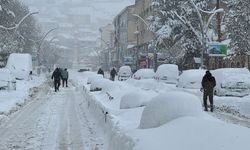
(229, 81)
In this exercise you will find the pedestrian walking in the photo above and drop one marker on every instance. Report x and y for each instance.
(208, 83)
(57, 79)
(65, 76)
(100, 71)
(112, 74)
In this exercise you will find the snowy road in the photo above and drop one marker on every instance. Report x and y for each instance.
(52, 121)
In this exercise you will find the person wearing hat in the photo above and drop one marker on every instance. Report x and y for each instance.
(208, 83)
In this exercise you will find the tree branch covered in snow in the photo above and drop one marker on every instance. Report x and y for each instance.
(17, 27)
(19, 23)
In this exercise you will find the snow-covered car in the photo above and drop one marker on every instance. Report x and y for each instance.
(191, 79)
(144, 74)
(167, 73)
(232, 81)
(99, 84)
(124, 73)
(94, 77)
(20, 65)
(7, 80)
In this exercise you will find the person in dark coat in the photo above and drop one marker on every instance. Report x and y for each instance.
(208, 84)
(112, 74)
(100, 71)
(65, 76)
(57, 76)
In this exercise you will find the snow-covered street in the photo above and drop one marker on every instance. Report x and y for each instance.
(51, 121)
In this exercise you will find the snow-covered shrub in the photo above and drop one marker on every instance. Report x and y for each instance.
(131, 100)
(169, 106)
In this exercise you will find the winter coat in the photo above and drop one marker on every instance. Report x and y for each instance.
(208, 82)
(113, 72)
(100, 71)
(56, 75)
(65, 74)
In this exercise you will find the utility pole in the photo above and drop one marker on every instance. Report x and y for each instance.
(218, 17)
(137, 49)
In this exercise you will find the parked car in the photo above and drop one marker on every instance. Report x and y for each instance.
(167, 73)
(20, 65)
(82, 70)
(94, 77)
(144, 74)
(124, 73)
(191, 79)
(232, 81)
(7, 80)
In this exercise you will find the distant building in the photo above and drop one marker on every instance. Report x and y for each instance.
(125, 39)
(107, 45)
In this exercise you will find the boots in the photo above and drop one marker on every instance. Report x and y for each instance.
(212, 108)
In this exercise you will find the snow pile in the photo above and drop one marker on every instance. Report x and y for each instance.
(6, 77)
(191, 79)
(11, 101)
(193, 133)
(20, 65)
(131, 100)
(169, 106)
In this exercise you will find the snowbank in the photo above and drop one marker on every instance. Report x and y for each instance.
(169, 106)
(11, 101)
(6, 77)
(193, 133)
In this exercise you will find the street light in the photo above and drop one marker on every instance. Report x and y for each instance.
(40, 44)
(155, 36)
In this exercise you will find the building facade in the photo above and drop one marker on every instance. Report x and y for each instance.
(143, 10)
(107, 45)
(125, 39)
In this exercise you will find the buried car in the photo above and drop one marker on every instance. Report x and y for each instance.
(124, 73)
(232, 81)
(191, 79)
(144, 74)
(167, 73)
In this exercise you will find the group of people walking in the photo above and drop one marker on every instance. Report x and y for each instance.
(58, 75)
(113, 73)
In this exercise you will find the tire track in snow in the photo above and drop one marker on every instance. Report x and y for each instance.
(52, 121)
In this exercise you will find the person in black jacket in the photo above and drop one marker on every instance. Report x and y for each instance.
(57, 76)
(112, 74)
(100, 71)
(208, 84)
